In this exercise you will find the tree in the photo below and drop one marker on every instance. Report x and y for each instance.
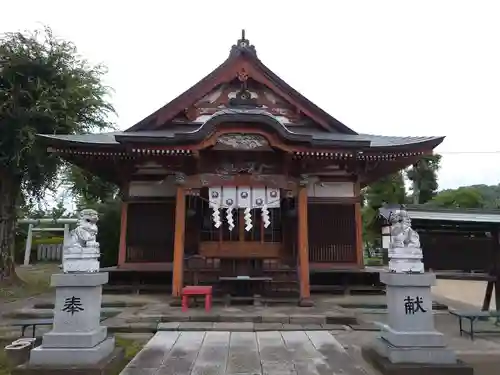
(423, 175)
(463, 197)
(47, 88)
(86, 188)
(90, 191)
(389, 189)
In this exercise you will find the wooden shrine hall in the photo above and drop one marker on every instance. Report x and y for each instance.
(241, 178)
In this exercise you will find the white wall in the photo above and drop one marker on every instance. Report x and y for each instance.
(151, 189)
(331, 190)
(168, 189)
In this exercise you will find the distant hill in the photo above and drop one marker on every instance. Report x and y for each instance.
(490, 194)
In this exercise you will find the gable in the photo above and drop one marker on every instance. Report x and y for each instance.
(252, 94)
(242, 72)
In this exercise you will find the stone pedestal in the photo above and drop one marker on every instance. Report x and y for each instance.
(409, 336)
(77, 337)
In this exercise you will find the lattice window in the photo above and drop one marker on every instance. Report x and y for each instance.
(332, 232)
(150, 231)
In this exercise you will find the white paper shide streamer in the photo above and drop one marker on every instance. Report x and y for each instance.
(242, 197)
(215, 196)
(229, 201)
(265, 216)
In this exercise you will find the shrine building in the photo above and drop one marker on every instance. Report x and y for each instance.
(241, 177)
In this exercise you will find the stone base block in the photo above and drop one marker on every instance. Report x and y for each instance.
(426, 355)
(42, 356)
(386, 367)
(405, 279)
(306, 302)
(412, 339)
(79, 279)
(109, 365)
(74, 339)
(406, 265)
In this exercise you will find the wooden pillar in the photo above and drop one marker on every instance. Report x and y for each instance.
(359, 226)
(496, 268)
(122, 251)
(494, 283)
(303, 247)
(180, 226)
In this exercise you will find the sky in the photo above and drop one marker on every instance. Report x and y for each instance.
(402, 68)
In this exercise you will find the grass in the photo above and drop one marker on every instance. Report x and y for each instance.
(375, 261)
(130, 346)
(36, 281)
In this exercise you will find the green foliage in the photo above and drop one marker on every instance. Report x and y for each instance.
(423, 175)
(109, 231)
(87, 188)
(490, 194)
(45, 88)
(90, 191)
(46, 241)
(463, 197)
(371, 235)
(389, 189)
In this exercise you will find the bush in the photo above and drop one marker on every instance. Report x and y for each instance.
(109, 231)
(46, 241)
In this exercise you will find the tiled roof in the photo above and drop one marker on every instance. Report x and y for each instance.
(109, 138)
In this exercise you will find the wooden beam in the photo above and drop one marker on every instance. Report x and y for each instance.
(122, 251)
(303, 248)
(359, 226)
(262, 180)
(180, 226)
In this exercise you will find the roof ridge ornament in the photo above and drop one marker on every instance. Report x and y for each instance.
(243, 45)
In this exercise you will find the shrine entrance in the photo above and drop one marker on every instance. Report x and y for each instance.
(238, 178)
(242, 236)
(241, 222)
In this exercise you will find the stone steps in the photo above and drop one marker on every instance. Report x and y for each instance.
(49, 313)
(211, 317)
(247, 327)
(104, 305)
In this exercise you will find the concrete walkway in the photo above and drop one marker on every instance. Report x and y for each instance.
(464, 291)
(244, 353)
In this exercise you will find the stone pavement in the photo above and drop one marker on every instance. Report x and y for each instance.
(244, 353)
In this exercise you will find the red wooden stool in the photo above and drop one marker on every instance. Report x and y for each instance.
(197, 291)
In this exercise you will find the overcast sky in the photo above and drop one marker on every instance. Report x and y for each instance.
(428, 67)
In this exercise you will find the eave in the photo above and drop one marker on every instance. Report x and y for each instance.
(458, 215)
(257, 118)
(368, 148)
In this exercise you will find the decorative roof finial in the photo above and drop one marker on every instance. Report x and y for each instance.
(243, 45)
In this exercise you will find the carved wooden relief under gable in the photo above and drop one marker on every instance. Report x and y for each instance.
(242, 142)
(249, 92)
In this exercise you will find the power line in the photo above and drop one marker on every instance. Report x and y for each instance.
(467, 152)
